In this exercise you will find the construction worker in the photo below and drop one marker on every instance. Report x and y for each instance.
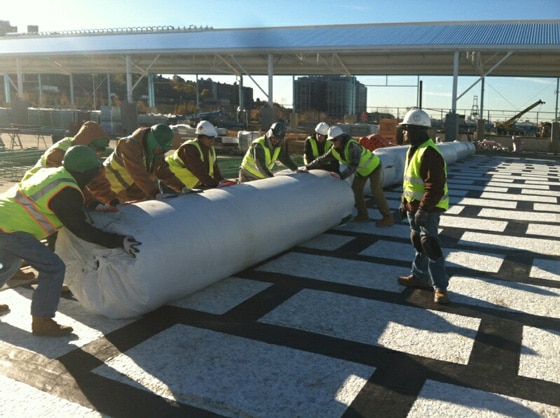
(93, 136)
(365, 165)
(98, 194)
(316, 145)
(424, 198)
(263, 154)
(138, 163)
(195, 162)
(46, 201)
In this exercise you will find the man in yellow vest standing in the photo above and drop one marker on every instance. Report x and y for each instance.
(364, 165)
(423, 200)
(195, 162)
(35, 208)
(263, 153)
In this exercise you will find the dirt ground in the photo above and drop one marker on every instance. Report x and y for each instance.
(28, 142)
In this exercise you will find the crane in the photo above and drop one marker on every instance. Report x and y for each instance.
(507, 127)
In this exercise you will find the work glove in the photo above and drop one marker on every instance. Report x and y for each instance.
(186, 190)
(402, 211)
(130, 245)
(421, 217)
(163, 196)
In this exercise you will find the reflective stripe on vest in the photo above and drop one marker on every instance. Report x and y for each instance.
(368, 160)
(178, 167)
(315, 148)
(413, 185)
(116, 173)
(25, 206)
(249, 162)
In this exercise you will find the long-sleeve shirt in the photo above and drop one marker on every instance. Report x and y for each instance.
(98, 190)
(432, 171)
(309, 157)
(201, 169)
(132, 153)
(67, 206)
(355, 155)
(283, 157)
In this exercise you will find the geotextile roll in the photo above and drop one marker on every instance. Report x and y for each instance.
(192, 241)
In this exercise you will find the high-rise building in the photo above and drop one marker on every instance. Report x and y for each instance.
(335, 95)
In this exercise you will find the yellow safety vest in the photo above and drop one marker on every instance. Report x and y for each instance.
(116, 172)
(178, 167)
(63, 144)
(249, 162)
(315, 148)
(25, 206)
(368, 160)
(413, 185)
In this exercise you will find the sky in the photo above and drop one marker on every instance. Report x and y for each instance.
(511, 94)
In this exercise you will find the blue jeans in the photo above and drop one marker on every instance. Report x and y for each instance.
(20, 245)
(423, 267)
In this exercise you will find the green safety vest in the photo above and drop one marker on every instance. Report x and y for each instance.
(315, 148)
(249, 162)
(25, 207)
(368, 160)
(116, 172)
(63, 144)
(413, 185)
(178, 167)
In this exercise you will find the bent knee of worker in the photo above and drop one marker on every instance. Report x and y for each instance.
(52, 266)
(431, 247)
(416, 241)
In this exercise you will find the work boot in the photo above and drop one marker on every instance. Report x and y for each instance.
(49, 328)
(4, 309)
(411, 281)
(440, 297)
(386, 221)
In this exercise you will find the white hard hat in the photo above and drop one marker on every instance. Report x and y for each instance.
(417, 117)
(334, 131)
(322, 128)
(205, 128)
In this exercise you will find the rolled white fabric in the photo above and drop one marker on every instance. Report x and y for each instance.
(394, 158)
(192, 241)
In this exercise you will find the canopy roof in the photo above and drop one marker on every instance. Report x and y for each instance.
(504, 48)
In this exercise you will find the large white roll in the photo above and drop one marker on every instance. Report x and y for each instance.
(394, 158)
(192, 241)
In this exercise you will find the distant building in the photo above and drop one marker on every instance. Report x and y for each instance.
(5, 28)
(224, 94)
(336, 96)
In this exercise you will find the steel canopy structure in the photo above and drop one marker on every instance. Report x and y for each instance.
(506, 48)
(489, 48)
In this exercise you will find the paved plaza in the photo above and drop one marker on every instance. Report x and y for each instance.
(324, 330)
